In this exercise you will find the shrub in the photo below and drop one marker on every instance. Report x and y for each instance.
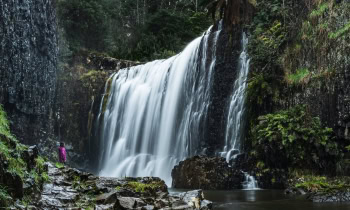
(293, 138)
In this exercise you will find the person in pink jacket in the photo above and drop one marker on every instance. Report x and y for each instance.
(62, 155)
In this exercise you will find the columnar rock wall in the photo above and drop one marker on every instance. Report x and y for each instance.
(80, 87)
(326, 88)
(28, 52)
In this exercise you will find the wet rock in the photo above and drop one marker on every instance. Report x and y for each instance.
(148, 207)
(28, 65)
(107, 198)
(28, 186)
(201, 172)
(294, 191)
(159, 204)
(16, 185)
(333, 196)
(30, 155)
(48, 202)
(125, 203)
(195, 199)
(179, 204)
(104, 207)
(272, 178)
(112, 193)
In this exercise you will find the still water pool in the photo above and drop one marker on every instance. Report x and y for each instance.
(264, 200)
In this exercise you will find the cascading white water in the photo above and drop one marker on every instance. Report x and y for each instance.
(234, 126)
(249, 183)
(235, 118)
(155, 112)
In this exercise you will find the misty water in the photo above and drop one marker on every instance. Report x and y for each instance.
(263, 200)
(156, 112)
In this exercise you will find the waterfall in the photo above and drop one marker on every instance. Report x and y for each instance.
(249, 182)
(153, 115)
(235, 117)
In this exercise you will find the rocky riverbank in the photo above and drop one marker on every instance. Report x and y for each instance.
(28, 181)
(71, 188)
(320, 189)
(214, 173)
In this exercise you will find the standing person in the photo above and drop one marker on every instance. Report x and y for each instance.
(62, 153)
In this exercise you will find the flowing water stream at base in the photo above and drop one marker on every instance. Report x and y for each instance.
(264, 200)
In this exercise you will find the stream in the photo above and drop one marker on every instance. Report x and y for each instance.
(263, 200)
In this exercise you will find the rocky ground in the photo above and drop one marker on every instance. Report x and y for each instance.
(70, 188)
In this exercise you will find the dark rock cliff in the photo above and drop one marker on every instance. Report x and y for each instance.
(80, 87)
(228, 48)
(324, 55)
(28, 52)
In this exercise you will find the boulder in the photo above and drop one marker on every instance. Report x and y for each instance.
(208, 173)
(30, 155)
(15, 184)
(128, 203)
(107, 198)
(195, 199)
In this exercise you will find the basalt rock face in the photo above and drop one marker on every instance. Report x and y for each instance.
(208, 173)
(28, 51)
(225, 72)
(80, 87)
(326, 88)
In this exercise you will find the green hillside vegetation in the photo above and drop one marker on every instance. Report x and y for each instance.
(15, 169)
(132, 29)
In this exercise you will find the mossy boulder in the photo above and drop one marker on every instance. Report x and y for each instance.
(208, 173)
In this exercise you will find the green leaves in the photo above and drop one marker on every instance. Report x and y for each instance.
(130, 29)
(295, 137)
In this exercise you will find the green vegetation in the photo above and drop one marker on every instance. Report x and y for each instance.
(313, 183)
(340, 32)
(299, 77)
(5, 198)
(293, 48)
(320, 10)
(4, 124)
(11, 152)
(78, 183)
(130, 29)
(142, 187)
(106, 95)
(293, 138)
(59, 165)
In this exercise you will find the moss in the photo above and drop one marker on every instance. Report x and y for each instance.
(5, 198)
(299, 77)
(107, 93)
(315, 183)
(320, 10)
(340, 32)
(17, 166)
(40, 162)
(59, 165)
(142, 187)
(4, 123)
(91, 77)
(26, 201)
(11, 151)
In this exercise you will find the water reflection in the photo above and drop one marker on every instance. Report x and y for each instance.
(265, 200)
